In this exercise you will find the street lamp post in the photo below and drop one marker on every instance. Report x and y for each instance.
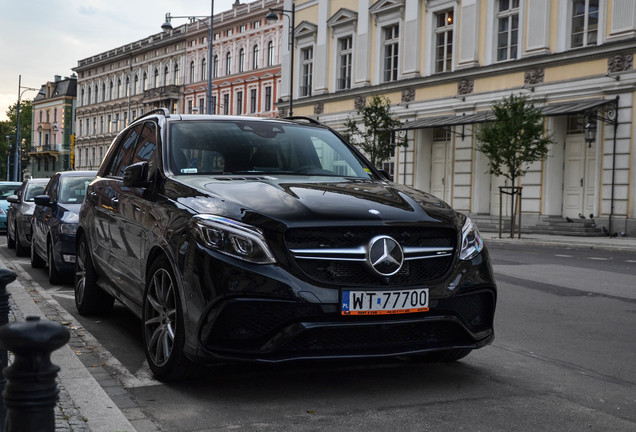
(16, 164)
(168, 26)
(291, 15)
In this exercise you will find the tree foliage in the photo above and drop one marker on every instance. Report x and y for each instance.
(515, 139)
(374, 138)
(8, 128)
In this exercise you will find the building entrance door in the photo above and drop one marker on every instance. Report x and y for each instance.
(579, 177)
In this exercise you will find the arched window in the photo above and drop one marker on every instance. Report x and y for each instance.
(228, 63)
(204, 70)
(156, 81)
(103, 92)
(136, 85)
(112, 90)
(192, 71)
(270, 53)
(144, 81)
(96, 93)
(89, 95)
(127, 90)
(255, 57)
(166, 71)
(176, 74)
(118, 89)
(215, 68)
(82, 102)
(241, 60)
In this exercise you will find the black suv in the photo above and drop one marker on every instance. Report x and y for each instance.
(237, 238)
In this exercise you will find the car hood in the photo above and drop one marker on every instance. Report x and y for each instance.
(296, 200)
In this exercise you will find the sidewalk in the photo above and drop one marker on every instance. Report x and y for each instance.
(624, 244)
(87, 389)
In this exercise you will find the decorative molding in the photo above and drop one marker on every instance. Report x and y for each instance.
(359, 102)
(534, 76)
(620, 62)
(319, 108)
(408, 95)
(465, 86)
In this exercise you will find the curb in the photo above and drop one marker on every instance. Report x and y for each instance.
(98, 411)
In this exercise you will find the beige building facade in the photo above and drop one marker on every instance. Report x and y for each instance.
(443, 63)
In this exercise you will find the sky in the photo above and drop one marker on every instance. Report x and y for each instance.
(43, 38)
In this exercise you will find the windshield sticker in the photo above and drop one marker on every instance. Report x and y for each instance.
(188, 171)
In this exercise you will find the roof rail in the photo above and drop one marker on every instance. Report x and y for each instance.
(163, 111)
(307, 119)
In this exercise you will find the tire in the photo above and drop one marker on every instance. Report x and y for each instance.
(10, 240)
(163, 324)
(20, 249)
(36, 261)
(90, 299)
(55, 277)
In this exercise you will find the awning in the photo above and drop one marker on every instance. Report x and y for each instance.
(554, 109)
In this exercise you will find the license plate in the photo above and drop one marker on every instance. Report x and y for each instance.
(384, 302)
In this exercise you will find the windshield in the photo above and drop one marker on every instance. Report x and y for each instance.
(73, 189)
(256, 147)
(8, 190)
(34, 189)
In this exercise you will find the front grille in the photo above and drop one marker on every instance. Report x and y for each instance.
(351, 267)
(379, 337)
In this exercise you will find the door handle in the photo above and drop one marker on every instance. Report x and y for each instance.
(114, 200)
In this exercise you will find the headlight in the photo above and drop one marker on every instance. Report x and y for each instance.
(232, 238)
(472, 243)
(68, 228)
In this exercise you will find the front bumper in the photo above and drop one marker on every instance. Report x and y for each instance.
(273, 316)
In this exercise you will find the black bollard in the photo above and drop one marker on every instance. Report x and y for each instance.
(31, 392)
(6, 277)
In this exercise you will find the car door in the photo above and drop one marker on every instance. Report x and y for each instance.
(128, 229)
(42, 216)
(104, 194)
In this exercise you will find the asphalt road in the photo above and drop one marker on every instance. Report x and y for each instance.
(563, 359)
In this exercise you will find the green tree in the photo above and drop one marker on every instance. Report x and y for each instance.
(513, 141)
(26, 123)
(375, 136)
(5, 130)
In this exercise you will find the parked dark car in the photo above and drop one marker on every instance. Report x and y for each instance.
(6, 189)
(19, 215)
(235, 238)
(54, 223)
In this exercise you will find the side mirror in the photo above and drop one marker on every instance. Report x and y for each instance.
(43, 200)
(136, 175)
(13, 199)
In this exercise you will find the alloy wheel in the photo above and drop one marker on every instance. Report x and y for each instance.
(160, 317)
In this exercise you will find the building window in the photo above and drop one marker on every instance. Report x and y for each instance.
(215, 68)
(584, 23)
(256, 24)
(204, 70)
(507, 29)
(176, 74)
(201, 106)
(156, 80)
(103, 92)
(253, 100)
(89, 95)
(118, 89)
(190, 106)
(268, 98)
(307, 55)
(136, 85)
(255, 57)
(226, 104)
(166, 72)
(444, 41)
(239, 103)
(345, 49)
(192, 71)
(144, 82)
(127, 90)
(213, 104)
(270, 53)
(228, 63)
(391, 49)
(241, 60)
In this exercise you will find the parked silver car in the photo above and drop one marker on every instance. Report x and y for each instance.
(20, 213)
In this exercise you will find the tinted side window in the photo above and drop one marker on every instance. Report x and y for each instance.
(146, 144)
(51, 188)
(124, 152)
